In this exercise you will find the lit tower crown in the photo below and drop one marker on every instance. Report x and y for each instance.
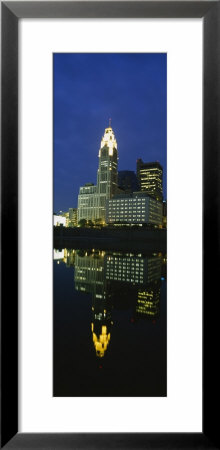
(107, 176)
(109, 141)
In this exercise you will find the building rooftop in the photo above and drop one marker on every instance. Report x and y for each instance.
(132, 195)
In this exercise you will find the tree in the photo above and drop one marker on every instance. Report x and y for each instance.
(82, 223)
(98, 222)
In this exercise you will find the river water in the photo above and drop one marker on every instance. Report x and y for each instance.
(110, 323)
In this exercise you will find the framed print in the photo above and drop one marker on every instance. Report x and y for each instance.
(33, 57)
(84, 259)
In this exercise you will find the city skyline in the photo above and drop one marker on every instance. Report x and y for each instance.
(86, 96)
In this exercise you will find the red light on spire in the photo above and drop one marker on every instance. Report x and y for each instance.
(110, 122)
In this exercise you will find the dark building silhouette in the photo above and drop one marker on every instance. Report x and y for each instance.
(164, 213)
(127, 181)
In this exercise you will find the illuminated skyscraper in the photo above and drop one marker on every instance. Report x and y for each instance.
(107, 176)
(150, 178)
(92, 199)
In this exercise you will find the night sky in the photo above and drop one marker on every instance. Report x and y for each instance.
(131, 88)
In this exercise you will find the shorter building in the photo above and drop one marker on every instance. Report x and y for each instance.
(87, 202)
(59, 220)
(66, 215)
(135, 208)
(72, 217)
(150, 178)
(164, 214)
(127, 181)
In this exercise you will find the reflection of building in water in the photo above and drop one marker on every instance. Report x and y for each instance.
(136, 269)
(164, 268)
(123, 280)
(142, 274)
(89, 277)
(148, 300)
(58, 255)
(65, 255)
(101, 323)
(89, 271)
(69, 257)
(101, 338)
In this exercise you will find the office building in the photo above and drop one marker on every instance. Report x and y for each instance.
(133, 209)
(63, 215)
(72, 217)
(59, 220)
(86, 202)
(92, 198)
(150, 178)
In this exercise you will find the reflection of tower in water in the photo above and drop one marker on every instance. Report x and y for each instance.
(113, 278)
(101, 324)
(89, 277)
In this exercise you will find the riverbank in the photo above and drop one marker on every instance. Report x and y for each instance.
(111, 239)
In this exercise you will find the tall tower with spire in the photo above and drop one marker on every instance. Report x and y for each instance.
(107, 175)
(92, 199)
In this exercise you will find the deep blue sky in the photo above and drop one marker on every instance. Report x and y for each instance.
(131, 88)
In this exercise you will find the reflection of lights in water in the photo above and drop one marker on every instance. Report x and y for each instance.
(58, 254)
(100, 342)
(148, 301)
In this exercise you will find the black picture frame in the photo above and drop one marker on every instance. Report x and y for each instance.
(11, 12)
